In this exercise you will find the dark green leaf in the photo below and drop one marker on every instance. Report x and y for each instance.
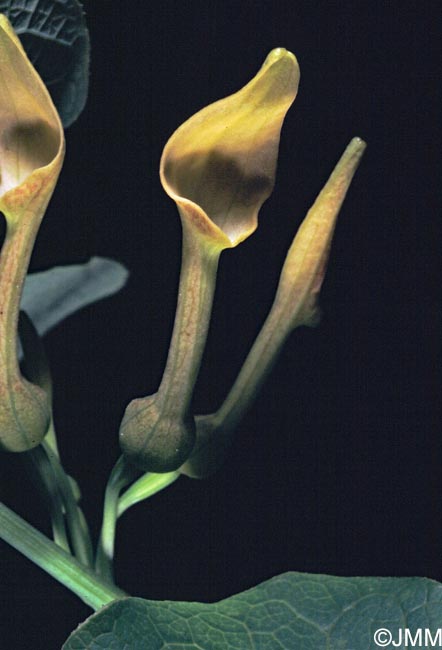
(293, 611)
(55, 37)
(51, 296)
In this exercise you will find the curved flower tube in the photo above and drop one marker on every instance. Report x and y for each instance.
(295, 304)
(31, 156)
(219, 168)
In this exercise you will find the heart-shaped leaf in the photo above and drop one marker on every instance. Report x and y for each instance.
(293, 611)
(56, 40)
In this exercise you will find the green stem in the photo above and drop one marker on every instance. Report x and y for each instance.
(146, 486)
(44, 476)
(122, 474)
(51, 439)
(78, 530)
(92, 590)
(47, 458)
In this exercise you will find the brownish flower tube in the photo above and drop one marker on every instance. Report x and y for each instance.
(31, 156)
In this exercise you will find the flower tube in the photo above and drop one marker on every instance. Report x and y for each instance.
(31, 156)
(219, 168)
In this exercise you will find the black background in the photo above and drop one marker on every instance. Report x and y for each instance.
(337, 469)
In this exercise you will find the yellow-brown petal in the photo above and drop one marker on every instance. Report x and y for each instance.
(31, 134)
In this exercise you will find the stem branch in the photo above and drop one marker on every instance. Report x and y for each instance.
(78, 530)
(146, 486)
(91, 589)
(121, 475)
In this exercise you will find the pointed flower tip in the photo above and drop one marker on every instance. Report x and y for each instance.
(343, 172)
(358, 142)
(355, 149)
(304, 269)
(31, 138)
(219, 166)
(281, 56)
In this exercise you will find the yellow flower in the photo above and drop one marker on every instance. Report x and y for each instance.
(219, 167)
(31, 156)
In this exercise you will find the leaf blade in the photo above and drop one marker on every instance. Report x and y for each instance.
(51, 296)
(56, 39)
(293, 611)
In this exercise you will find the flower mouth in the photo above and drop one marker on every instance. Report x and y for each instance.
(24, 147)
(226, 192)
(31, 134)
